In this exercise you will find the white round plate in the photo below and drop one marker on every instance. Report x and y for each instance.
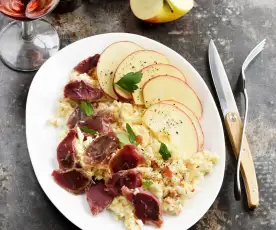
(42, 138)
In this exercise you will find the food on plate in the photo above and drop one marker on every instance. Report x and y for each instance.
(133, 63)
(111, 57)
(193, 117)
(66, 151)
(88, 65)
(82, 91)
(97, 197)
(171, 125)
(99, 151)
(126, 158)
(76, 116)
(135, 158)
(171, 88)
(159, 11)
(150, 72)
(146, 206)
(73, 180)
(129, 178)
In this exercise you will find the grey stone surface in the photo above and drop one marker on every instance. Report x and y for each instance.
(235, 25)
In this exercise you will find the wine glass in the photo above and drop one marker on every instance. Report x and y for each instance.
(25, 44)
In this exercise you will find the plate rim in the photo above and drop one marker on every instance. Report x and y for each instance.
(199, 216)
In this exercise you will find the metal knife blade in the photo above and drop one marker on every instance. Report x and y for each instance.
(221, 82)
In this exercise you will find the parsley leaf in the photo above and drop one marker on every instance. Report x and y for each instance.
(127, 138)
(87, 130)
(131, 134)
(87, 108)
(129, 81)
(165, 153)
(147, 183)
(123, 138)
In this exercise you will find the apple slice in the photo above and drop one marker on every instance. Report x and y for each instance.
(109, 60)
(171, 125)
(159, 11)
(163, 88)
(152, 71)
(133, 63)
(193, 117)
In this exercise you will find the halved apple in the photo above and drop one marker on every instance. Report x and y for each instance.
(193, 118)
(171, 88)
(152, 71)
(133, 63)
(159, 11)
(109, 60)
(173, 126)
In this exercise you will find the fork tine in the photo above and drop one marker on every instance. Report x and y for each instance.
(253, 54)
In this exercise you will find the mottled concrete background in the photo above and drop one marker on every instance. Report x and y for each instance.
(235, 25)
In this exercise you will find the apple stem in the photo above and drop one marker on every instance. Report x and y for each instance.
(169, 4)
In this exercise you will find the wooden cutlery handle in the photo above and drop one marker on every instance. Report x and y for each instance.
(234, 127)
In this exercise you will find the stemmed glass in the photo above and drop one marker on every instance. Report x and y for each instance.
(25, 44)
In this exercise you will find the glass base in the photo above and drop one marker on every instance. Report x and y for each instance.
(28, 55)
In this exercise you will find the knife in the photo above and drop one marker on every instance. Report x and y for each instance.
(233, 125)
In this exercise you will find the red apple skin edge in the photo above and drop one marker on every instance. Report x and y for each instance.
(182, 82)
(153, 20)
(184, 78)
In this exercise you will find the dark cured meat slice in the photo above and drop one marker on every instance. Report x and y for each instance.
(129, 178)
(99, 122)
(126, 158)
(97, 198)
(66, 151)
(147, 206)
(82, 91)
(106, 115)
(73, 180)
(75, 117)
(88, 64)
(100, 150)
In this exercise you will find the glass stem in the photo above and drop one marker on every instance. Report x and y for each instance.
(27, 31)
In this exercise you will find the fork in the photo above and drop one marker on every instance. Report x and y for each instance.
(249, 58)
